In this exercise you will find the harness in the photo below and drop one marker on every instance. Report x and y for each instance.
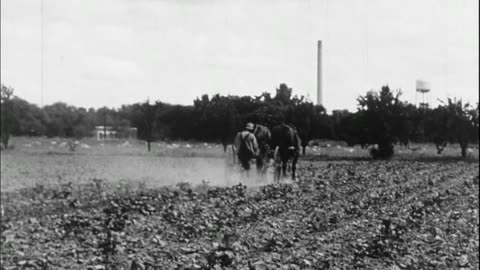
(243, 145)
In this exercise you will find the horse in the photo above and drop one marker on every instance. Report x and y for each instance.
(263, 136)
(287, 144)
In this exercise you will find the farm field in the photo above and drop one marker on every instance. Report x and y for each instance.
(48, 162)
(122, 208)
(41, 162)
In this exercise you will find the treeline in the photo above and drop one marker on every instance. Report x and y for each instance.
(382, 120)
(214, 119)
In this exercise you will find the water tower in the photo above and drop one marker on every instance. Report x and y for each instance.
(422, 89)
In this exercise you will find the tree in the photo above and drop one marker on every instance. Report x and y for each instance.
(68, 121)
(29, 119)
(7, 117)
(412, 127)
(268, 114)
(336, 123)
(353, 129)
(147, 125)
(180, 120)
(82, 123)
(382, 116)
(436, 127)
(228, 121)
(217, 118)
(264, 97)
(304, 114)
(284, 94)
(322, 125)
(455, 122)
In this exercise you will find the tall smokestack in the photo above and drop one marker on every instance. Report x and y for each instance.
(319, 74)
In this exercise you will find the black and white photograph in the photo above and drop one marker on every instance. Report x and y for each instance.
(239, 134)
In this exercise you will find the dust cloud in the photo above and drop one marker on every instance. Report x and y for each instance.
(21, 170)
(211, 171)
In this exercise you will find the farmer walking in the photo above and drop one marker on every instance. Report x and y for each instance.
(246, 146)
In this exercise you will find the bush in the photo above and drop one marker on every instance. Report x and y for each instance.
(382, 152)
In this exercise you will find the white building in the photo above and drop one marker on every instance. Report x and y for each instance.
(103, 133)
(109, 133)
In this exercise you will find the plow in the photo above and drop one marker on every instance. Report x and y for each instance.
(268, 163)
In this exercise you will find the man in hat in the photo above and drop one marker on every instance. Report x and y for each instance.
(246, 146)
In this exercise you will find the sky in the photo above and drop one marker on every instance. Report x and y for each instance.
(111, 52)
